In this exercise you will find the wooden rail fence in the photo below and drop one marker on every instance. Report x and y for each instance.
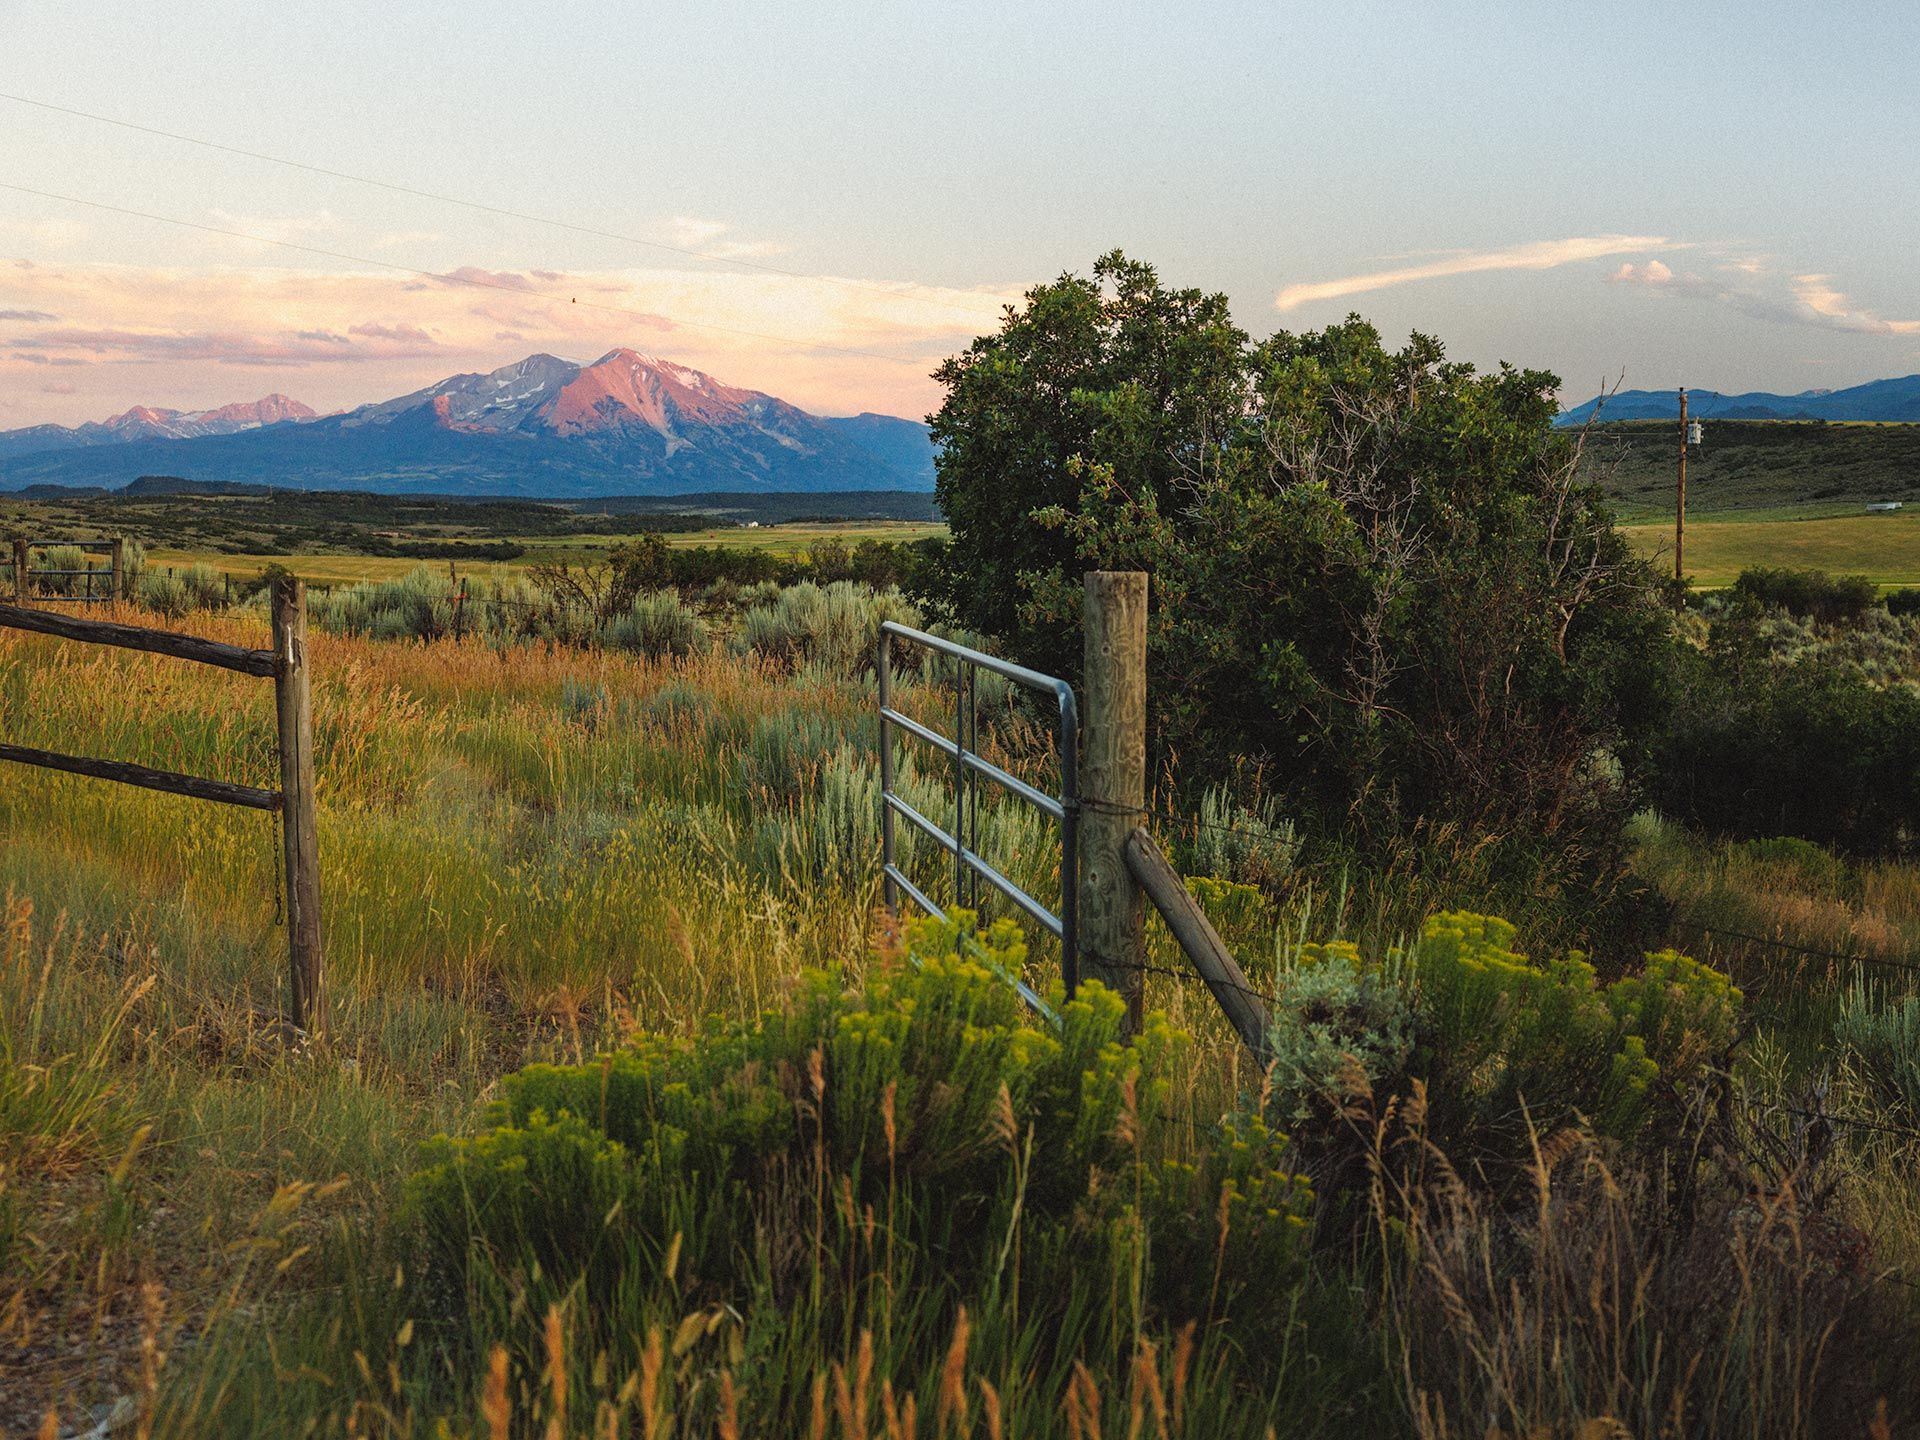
(286, 665)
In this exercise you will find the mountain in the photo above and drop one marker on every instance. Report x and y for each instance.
(1877, 400)
(626, 424)
(144, 422)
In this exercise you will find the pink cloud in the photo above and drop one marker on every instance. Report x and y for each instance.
(406, 334)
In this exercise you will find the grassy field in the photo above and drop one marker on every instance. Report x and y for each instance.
(539, 854)
(345, 567)
(1885, 548)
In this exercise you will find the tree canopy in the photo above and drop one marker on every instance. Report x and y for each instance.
(1376, 573)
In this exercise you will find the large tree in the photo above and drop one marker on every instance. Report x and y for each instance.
(1114, 367)
(1376, 573)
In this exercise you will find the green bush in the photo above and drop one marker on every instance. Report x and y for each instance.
(164, 594)
(1810, 593)
(1903, 602)
(835, 628)
(657, 624)
(754, 1164)
(206, 587)
(1333, 1013)
(1250, 845)
(1506, 1042)
(1885, 1040)
(1807, 750)
(1379, 575)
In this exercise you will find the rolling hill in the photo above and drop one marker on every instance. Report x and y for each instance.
(628, 424)
(1877, 400)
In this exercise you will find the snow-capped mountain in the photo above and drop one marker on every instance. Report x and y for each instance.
(145, 422)
(626, 424)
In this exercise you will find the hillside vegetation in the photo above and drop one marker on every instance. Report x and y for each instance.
(1585, 1101)
(1751, 467)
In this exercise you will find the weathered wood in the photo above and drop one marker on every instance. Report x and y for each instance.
(148, 779)
(120, 588)
(1202, 943)
(134, 637)
(299, 821)
(1113, 781)
(21, 557)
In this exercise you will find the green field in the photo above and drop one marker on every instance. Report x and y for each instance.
(1884, 548)
(343, 566)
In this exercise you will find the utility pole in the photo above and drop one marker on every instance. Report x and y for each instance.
(1680, 506)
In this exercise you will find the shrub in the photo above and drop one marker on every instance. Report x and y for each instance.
(206, 587)
(760, 1159)
(164, 594)
(1243, 914)
(1885, 1039)
(1903, 602)
(1811, 751)
(1813, 594)
(1346, 544)
(1507, 1044)
(835, 628)
(1332, 1013)
(786, 749)
(657, 624)
(1253, 846)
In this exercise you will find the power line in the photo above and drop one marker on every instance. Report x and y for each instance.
(486, 209)
(454, 277)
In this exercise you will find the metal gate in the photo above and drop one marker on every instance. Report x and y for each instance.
(969, 868)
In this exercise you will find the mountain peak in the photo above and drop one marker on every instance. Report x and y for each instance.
(630, 422)
(143, 415)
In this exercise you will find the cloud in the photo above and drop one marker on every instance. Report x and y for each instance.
(1817, 295)
(708, 237)
(116, 345)
(1541, 255)
(405, 334)
(493, 279)
(32, 316)
(1653, 273)
(1809, 299)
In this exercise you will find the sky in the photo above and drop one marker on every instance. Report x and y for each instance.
(823, 200)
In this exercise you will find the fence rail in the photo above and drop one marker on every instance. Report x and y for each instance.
(286, 665)
(24, 571)
(969, 768)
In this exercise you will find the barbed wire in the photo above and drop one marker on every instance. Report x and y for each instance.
(1184, 822)
(1905, 1132)
(1812, 951)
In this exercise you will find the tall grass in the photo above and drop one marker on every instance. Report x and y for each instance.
(538, 852)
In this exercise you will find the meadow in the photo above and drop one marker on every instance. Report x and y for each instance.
(346, 567)
(546, 854)
(1883, 547)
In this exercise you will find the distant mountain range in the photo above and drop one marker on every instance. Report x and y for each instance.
(628, 424)
(144, 422)
(1877, 400)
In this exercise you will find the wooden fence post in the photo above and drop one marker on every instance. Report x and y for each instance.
(298, 820)
(1113, 781)
(119, 591)
(20, 571)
